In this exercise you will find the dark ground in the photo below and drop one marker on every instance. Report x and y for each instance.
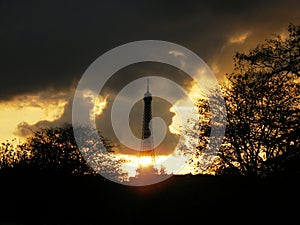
(182, 199)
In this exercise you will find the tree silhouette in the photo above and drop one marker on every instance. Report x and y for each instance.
(146, 175)
(13, 154)
(54, 150)
(262, 100)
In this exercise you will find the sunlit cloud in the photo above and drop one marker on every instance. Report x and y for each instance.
(187, 120)
(215, 68)
(25, 111)
(175, 126)
(181, 115)
(239, 38)
(207, 82)
(176, 53)
(180, 56)
(182, 112)
(99, 103)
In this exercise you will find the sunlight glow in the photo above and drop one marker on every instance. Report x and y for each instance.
(188, 142)
(28, 110)
(194, 93)
(171, 163)
(145, 161)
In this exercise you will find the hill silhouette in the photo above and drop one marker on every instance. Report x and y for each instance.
(38, 198)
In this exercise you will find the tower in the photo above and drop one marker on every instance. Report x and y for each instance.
(147, 139)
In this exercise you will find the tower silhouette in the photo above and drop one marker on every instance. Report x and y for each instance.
(147, 139)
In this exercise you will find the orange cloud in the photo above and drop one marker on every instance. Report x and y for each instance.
(239, 38)
(28, 110)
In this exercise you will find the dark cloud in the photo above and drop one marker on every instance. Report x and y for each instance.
(138, 70)
(49, 44)
(160, 107)
(45, 46)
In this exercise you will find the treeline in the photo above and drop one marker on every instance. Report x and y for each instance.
(50, 149)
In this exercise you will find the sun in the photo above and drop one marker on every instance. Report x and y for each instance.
(145, 161)
(172, 163)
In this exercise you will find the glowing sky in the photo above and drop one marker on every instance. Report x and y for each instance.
(17, 114)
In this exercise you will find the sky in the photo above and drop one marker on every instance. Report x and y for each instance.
(46, 46)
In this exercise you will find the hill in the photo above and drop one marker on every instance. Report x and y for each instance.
(31, 198)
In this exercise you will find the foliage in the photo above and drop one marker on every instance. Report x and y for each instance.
(146, 175)
(12, 154)
(262, 100)
(54, 149)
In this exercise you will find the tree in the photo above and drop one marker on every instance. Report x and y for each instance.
(262, 100)
(147, 175)
(12, 154)
(55, 150)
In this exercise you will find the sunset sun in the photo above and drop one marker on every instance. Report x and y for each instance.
(145, 161)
